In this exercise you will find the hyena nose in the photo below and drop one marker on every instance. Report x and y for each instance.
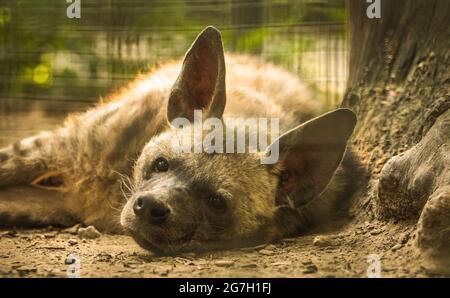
(149, 209)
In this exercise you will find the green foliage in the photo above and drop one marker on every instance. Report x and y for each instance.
(45, 54)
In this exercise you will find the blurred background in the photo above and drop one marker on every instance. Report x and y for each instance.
(50, 64)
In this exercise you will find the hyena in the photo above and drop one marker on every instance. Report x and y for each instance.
(114, 167)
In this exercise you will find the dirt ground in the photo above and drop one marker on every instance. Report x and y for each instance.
(43, 253)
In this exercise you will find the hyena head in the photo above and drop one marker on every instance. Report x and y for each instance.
(186, 201)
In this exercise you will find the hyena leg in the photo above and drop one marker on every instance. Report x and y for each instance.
(31, 206)
(23, 166)
(26, 160)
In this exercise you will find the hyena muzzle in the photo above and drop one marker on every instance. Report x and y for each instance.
(114, 166)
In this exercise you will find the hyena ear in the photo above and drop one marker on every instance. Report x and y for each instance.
(309, 155)
(201, 83)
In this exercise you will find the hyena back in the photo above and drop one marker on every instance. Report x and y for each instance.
(102, 165)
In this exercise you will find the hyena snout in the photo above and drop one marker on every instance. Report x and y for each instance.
(149, 209)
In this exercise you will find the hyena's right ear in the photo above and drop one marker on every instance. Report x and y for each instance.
(310, 154)
(201, 83)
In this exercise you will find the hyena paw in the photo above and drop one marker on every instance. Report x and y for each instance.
(18, 166)
(417, 183)
(5, 163)
(434, 231)
(408, 180)
(13, 151)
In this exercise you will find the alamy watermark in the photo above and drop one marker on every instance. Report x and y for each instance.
(73, 11)
(374, 9)
(229, 136)
(374, 268)
(74, 265)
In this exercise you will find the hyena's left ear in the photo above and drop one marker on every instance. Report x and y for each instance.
(201, 83)
(310, 153)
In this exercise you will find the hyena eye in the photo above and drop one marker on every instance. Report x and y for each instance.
(161, 165)
(217, 203)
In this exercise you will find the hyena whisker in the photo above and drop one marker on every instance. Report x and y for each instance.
(125, 196)
(112, 207)
(120, 174)
(125, 180)
(130, 189)
(131, 184)
(108, 199)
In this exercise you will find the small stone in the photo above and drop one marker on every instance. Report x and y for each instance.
(49, 235)
(72, 230)
(404, 238)
(73, 242)
(104, 257)
(10, 233)
(310, 269)
(376, 232)
(26, 270)
(397, 247)
(307, 262)
(276, 264)
(270, 247)
(324, 241)
(224, 263)
(266, 252)
(162, 271)
(88, 233)
(249, 265)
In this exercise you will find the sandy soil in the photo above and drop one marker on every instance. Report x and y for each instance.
(43, 253)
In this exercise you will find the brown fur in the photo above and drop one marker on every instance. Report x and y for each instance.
(101, 155)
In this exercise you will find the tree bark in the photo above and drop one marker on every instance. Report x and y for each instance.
(399, 87)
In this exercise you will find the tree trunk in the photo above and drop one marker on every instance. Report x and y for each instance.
(399, 87)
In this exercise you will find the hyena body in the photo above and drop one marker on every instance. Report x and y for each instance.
(106, 167)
